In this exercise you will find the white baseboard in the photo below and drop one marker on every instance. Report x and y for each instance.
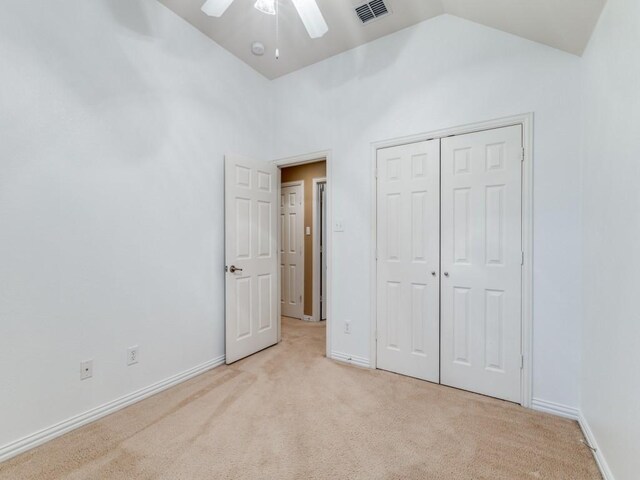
(352, 359)
(576, 414)
(597, 453)
(555, 408)
(19, 446)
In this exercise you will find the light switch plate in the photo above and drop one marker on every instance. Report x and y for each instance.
(86, 369)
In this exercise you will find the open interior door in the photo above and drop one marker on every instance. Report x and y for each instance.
(251, 256)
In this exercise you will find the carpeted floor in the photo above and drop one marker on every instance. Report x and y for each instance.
(289, 413)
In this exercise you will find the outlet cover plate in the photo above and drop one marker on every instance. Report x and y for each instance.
(133, 355)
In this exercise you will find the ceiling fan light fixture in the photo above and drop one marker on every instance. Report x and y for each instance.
(266, 6)
(215, 8)
(312, 18)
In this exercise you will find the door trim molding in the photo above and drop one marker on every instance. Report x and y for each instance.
(312, 157)
(526, 121)
(315, 241)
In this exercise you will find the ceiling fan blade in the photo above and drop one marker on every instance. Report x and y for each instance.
(311, 17)
(215, 8)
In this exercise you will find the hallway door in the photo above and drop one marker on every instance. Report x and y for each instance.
(292, 249)
(251, 256)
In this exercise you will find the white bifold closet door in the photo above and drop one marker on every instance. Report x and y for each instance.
(292, 250)
(408, 237)
(481, 262)
(251, 256)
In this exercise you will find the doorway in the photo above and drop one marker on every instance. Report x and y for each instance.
(254, 234)
(301, 212)
(451, 271)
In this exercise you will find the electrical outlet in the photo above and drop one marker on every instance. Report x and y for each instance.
(347, 327)
(133, 355)
(86, 369)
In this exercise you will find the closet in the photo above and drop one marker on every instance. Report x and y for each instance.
(449, 260)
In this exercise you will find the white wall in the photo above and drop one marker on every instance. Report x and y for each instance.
(442, 73)
(114, 119)
(611, 371)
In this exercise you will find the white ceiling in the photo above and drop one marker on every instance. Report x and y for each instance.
(563, 24)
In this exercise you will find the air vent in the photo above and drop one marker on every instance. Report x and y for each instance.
(371, 10)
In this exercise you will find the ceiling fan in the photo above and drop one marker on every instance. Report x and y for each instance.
(308, 10)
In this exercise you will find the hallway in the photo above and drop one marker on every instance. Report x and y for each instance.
(290, 413)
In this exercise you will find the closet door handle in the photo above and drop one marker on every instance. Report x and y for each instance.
(234, 269)
(446, 274)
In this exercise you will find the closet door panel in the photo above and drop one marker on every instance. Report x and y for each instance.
(481, 262)
(408, 192)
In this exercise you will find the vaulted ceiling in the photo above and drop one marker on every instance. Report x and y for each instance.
(563, 24)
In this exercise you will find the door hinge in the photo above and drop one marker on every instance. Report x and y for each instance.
(521, 362)
(523, 155)
(300, 298)
(522, 259)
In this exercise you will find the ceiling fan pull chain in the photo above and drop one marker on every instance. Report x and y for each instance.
(277, 28)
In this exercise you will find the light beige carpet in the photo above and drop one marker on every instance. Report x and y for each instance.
(290, 413)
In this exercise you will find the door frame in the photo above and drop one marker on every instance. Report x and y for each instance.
(295, 183)
(315, 297)
(327, 157)
(526, 121)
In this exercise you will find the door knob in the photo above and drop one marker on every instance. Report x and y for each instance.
(433, 273)
(234, 269)
(446, 274)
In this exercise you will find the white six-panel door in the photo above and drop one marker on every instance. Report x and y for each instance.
(449, 259)
(481, 262)
(408, 201)
(251, 255)
(292, 250)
